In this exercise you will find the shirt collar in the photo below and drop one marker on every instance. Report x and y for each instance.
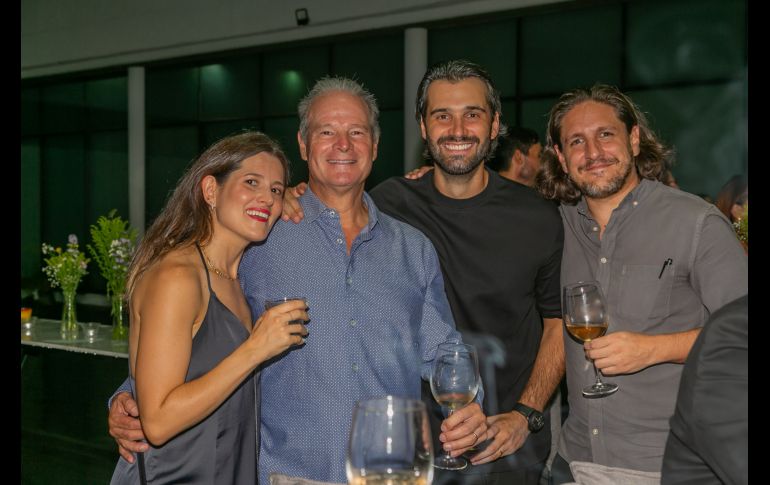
(314, 208)
(637, 195)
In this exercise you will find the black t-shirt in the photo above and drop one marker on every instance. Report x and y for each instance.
(500, 254)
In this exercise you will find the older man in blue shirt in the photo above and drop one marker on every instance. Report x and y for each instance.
(375, 293)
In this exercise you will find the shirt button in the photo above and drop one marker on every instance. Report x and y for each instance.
(339, 240)
(595, 228)
(349, 281)
(331, 213)
(354, 367)
(594, 431)
(353, 323)
(636, 203)
(603, 260)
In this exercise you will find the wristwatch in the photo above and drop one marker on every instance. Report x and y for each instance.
(535, 420)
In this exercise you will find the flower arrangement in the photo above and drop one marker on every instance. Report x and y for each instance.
(742, 226)
(65, 269)
(113, 245)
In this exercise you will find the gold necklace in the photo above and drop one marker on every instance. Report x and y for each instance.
(216, 270)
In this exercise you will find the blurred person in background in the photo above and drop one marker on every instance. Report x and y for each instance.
(733, 195)
(518, 155)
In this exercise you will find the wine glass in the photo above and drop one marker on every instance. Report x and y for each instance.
(585, 317)
(390, 443)
(454, 382)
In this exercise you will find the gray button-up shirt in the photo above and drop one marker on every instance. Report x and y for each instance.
(708, 269)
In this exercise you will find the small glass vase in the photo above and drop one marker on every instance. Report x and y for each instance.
(69, 321)
(119, 330)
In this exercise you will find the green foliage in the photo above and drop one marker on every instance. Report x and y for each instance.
(113, 245)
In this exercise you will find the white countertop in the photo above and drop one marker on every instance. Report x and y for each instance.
(46, 333)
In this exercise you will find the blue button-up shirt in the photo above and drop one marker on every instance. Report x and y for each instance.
(377, 316)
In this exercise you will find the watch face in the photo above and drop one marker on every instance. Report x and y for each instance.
(536, 422)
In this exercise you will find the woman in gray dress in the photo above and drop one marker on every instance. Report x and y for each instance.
(193, 346)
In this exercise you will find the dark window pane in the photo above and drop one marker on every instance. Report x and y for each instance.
(63, 108)
(509, 113)
(30, 209)
(377, 63)
(106, 189)
(107, 103)
(107, 174)
(213, 132)
(390, 152)
(230, 89)
(169, 152)
(63, 189)
(702, 40)
(713, 149)
(288, 75)
(30, 111)
(571, 48)
(491, 45)
(284, 130)
(171, 95)
(534, 115)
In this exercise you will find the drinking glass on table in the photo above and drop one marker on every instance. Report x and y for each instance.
(454, 382)
(585, 317)
(390, 443)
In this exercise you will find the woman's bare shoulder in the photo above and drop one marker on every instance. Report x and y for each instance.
(178, 273)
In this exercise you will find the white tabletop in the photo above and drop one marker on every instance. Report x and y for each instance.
(46, 333)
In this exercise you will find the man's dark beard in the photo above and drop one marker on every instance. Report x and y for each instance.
(614, 185)
(457, 165)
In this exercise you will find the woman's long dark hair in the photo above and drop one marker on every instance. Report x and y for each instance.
(186, 218)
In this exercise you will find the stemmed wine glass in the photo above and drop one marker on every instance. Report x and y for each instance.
(585, 315)
(454, 382)
(390, 443)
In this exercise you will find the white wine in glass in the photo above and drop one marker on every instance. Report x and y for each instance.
(454, 382)
(585, 317)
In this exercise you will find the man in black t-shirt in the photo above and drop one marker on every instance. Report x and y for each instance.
(499, 245)
(500, 248)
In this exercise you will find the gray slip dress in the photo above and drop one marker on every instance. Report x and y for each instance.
(221, 449)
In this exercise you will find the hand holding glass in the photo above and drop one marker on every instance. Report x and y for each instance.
(279, 301)
(454, 382)
(390, 443)
(585, 317)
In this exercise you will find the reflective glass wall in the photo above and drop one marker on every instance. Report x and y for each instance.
(684, 62)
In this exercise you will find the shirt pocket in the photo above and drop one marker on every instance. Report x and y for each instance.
(644, 293)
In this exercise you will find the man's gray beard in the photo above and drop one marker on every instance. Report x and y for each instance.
(614, 185)
(459, 168)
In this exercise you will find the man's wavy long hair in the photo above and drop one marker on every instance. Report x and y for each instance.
(652, 163)
(186, 218)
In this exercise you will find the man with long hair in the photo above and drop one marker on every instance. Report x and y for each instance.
(664, 258)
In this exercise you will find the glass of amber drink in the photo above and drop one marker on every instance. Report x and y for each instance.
(585, 317)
